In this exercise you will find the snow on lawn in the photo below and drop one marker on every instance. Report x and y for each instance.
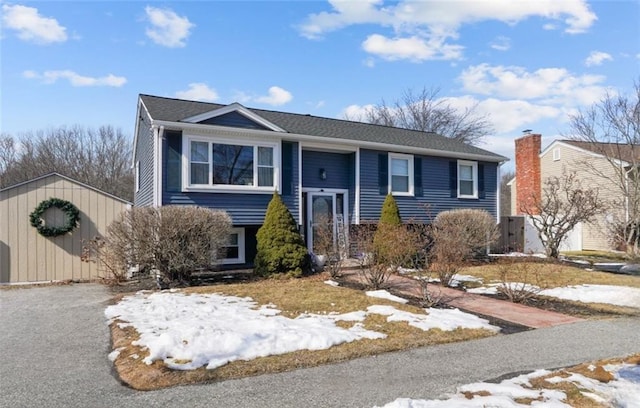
(443, 319)
(211, 330)
(623, 391)
(383, 294)
(615, 295)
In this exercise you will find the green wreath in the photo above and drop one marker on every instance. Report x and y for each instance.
(70, 210)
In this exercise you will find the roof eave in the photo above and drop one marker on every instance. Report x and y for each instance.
(347, 142)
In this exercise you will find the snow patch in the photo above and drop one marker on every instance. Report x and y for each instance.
(383, 294)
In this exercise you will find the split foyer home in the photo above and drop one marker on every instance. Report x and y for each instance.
(233, 158)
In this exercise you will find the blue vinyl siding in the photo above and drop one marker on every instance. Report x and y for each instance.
(244, 209)
(340, 169)
(233, 119)
(144, 154)
(436, 192)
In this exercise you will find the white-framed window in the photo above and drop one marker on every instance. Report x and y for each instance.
(467, 179)
(556, 154)
(232, 165)
(400, 174)
(137, 176)
(233, 252)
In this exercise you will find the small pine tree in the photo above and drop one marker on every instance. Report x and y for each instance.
(390, 213)
(388, 223)
(280, 248)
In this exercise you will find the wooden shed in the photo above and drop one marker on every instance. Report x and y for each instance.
(28, 256)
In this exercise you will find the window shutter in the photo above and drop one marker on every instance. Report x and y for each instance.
(417, 177)
(383, 173)
(287, 168)
(481, 191)
(453, 178)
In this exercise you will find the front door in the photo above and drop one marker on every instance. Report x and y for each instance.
(321, 211)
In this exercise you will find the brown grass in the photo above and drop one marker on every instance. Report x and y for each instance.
(554, 275)
(575, 397)
(292, 297)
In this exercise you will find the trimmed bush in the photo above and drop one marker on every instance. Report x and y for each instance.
(280, 248)
(390, 213)
(458, 235)
(172, 240)
(388, 224)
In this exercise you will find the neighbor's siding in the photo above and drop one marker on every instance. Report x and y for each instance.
(594, 235)
(144, 154)
(244, 208)
(436, 195)
(26, 256)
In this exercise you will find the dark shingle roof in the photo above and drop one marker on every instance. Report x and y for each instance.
(176, 110)
(622, 151)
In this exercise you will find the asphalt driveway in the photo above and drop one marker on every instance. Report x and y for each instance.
(54, 344)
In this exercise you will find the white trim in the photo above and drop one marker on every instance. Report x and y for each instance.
(241, 248)
(253, 189)
(137, 128)
(410, 186)
(579, 149)
(300, 221)
(385, 147)
(310, 191)
(356, 210)
(328, 147)
(556, 154)
(137, 176)
(498, 193)
(234, 107)
(474, 171)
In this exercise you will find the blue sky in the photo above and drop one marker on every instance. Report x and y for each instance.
(526, 64)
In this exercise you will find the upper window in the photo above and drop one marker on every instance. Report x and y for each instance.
(213, 164)
(137, 176)
(467, 179)
(556, 154)
(400, 174)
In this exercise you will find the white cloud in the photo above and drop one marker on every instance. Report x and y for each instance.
(551, 85)
(198, 91)
(597, 58)
(31, 26)
(167, 28)
(501, 43)
(423, 29)
(412, 48)
(75, 79)
(277, 96)
(356, 113)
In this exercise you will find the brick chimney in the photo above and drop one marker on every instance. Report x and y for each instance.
(527, 170)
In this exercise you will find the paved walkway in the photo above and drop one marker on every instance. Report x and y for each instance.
(500, 309)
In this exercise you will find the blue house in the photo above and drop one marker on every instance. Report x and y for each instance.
(233, 158)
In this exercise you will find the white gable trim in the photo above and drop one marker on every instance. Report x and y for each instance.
(234, 107)
(136, 129)
(560, 143)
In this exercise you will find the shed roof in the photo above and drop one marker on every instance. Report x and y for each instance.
(178, 110)
(56, 174)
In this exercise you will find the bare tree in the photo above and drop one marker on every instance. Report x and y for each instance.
(426, 112)
(611, 128)
(562, 204)
(99, 157)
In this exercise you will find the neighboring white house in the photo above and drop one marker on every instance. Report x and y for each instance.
(26, 256)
